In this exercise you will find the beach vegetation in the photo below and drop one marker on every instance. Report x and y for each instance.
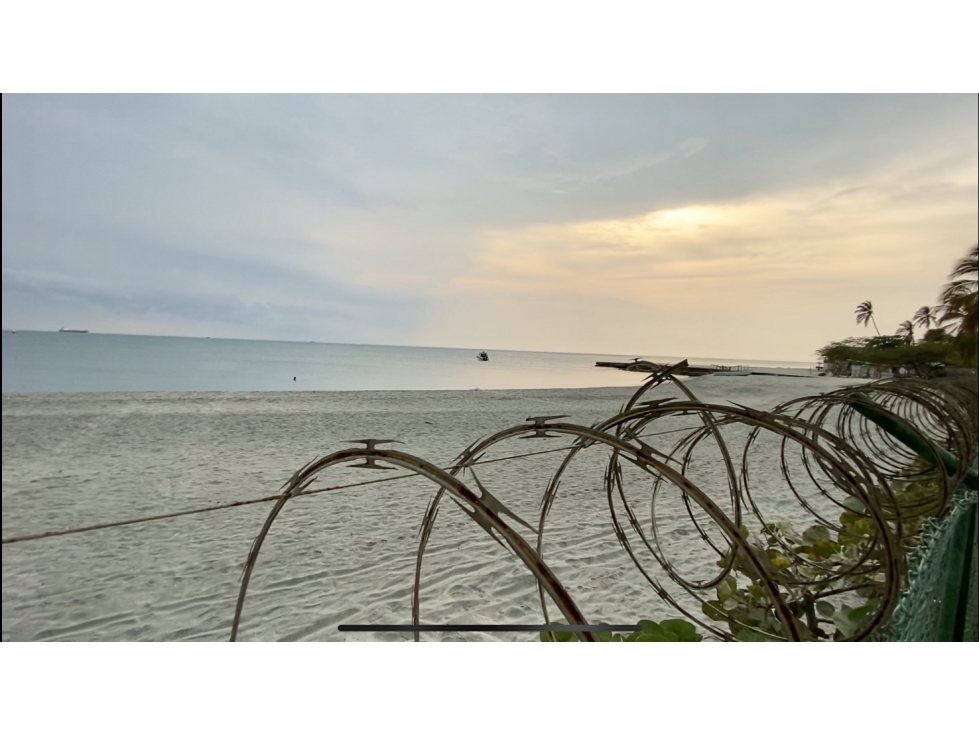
(865, 315)
(669, 630)
(925, 318)
(919, 358)
(813, 571)
(950, 330)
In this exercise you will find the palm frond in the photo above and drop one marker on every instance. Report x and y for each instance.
(925, 318)
(968, 266)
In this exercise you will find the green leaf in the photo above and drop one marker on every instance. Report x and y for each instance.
(854, 504)
(825, 609)
(662, 637)
(684, 630)
(727, 587)
(856, 525)
(858, 614)
(649, 627)
(669, 630)
(867, 591)
(816, 533)
(841, 618)
(713, 610)
(824, 548)
(747, 635)
(782, 563)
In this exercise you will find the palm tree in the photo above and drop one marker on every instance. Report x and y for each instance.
(865, 315)
(968, 266)
(925, 318)
(906, 331)
(960, 299)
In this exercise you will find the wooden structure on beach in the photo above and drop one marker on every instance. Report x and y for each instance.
(642, 365)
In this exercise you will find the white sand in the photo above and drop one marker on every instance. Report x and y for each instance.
(343, 557)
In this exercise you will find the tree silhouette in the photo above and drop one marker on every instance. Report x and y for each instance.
(865, 315)
(925, 318)
(906, 331)
(960, 297)
(959, 306)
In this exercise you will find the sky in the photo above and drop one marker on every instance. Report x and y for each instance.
(726, 226)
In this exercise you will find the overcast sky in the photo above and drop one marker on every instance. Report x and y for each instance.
(702, 226)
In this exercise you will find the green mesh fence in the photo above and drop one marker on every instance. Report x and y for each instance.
(941, 600)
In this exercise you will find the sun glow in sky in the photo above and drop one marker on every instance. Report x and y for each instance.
(730, 226)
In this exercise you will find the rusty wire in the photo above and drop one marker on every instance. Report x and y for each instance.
(829, 456)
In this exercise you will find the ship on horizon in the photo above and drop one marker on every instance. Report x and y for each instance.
(63, 330)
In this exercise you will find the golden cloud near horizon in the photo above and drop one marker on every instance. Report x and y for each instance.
(839, 232)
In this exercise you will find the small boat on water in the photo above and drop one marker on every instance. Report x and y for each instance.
(722, 371)
(63, 330)
(482, 357)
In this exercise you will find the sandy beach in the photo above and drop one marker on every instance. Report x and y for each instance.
(334, 558)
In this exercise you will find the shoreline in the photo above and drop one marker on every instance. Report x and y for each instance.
(641, 376)
(309, 393)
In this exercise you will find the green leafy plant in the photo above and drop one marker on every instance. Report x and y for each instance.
(955, 342)
(832, 584)
(669, 630)
(829, 604)
(808, 569)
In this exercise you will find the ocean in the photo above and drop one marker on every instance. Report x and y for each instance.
(46, 362)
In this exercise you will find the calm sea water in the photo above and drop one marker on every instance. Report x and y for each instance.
(63, 362)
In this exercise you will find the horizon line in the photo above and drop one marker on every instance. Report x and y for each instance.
(404, 346)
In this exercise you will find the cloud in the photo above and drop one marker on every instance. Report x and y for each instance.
(254, 298)
(692, 146)
(503, 220)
